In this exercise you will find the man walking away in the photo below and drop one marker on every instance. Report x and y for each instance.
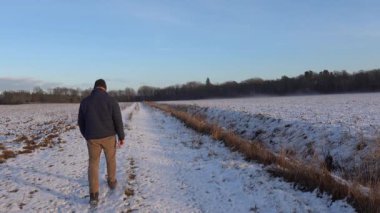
(99, 120)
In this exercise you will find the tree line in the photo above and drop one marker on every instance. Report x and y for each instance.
(310, 82)
(59, 95)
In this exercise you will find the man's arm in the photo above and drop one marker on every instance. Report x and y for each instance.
(118, 121)
(81, 121)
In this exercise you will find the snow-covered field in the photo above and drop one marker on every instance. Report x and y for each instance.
(164, 167)
(36, 126)
(347, 126)
(25, 127)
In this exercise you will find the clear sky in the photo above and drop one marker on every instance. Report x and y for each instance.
(160, 43)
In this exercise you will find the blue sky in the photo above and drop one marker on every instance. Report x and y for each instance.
(160, 43)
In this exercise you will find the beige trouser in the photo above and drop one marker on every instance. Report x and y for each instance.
(95, 147)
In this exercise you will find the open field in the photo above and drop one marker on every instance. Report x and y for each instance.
(25, 128)
(342, 128)
(163, 167)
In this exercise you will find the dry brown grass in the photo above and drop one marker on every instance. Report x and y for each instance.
(30, 143)
(8, 154)
(52, 136)
(2, 160)
(131, 176)
(30, 147)
(306, 176)
(129, 192)
(25, 151)
(21, 138)
(70, 127)
(46, 136)
(368, 171)
(43, 144)
(48, 141)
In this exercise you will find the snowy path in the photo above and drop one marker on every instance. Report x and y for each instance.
(180, 170)
(168, 167)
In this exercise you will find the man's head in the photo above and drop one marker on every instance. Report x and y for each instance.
(100, 83)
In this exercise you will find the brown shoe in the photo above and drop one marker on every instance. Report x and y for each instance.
(94, 198)
(112, 184)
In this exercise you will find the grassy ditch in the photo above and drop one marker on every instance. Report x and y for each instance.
(304, 175)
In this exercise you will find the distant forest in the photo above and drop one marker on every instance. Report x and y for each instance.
(324, 82)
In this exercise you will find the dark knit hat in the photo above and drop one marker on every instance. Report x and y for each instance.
(100, 83)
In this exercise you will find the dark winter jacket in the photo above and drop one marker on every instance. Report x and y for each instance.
(99, 116)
